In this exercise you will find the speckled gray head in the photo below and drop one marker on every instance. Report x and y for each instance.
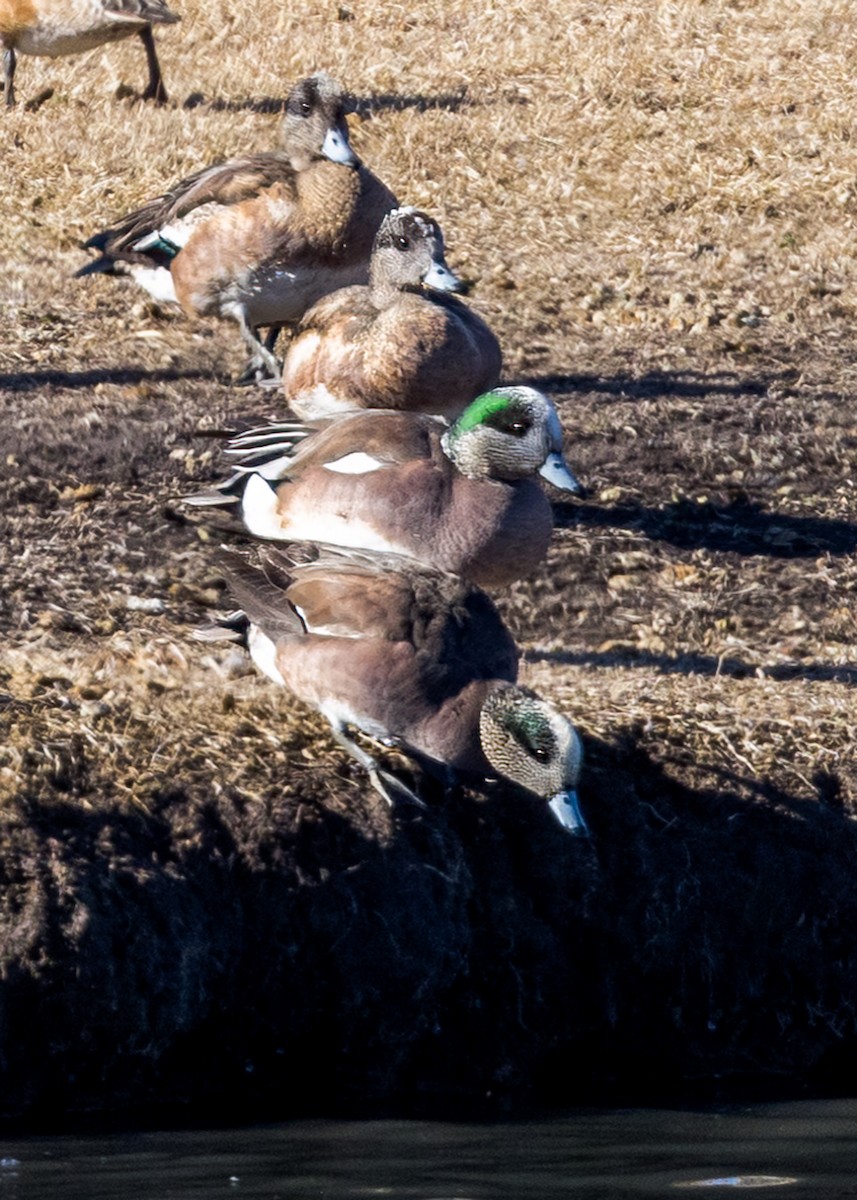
(314, 125)
(510, 433)
(528, 741)
(418, 240)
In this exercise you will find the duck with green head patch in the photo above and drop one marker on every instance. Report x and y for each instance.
(462, 498)
(410, 656)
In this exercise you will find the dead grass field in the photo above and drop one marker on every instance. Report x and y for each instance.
(656, 205)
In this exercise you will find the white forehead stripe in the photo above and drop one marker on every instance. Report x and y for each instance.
(427, 228)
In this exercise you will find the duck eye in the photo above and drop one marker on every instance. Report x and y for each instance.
(306, 108)
(403, 243)
(540, 754)
(511, 423)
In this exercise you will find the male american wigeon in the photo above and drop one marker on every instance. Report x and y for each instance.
(400, 342)
(57, 27)
(461, 498)
(411, 657)
(259, 239)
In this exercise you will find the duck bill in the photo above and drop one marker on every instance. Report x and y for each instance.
(565, 806)
(440, 277)
(556, 471)
(336, 147)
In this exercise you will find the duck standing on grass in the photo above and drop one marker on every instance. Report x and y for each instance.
(400, 342)
(56, 27)
(410, 656)
(259, 239)
(460, 498)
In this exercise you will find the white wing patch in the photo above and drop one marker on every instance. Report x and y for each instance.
(357, 463)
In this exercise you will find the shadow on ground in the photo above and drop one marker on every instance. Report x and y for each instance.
(364, 106)
(688, 384)
(740, 526)
(32, 381)
(695, 664)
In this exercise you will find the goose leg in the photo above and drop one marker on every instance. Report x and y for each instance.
(155, 89)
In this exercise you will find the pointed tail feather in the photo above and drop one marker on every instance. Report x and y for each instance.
(99, 241)
(233, 627)
(262, 593)
(105, 265)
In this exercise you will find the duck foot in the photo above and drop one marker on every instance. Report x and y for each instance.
(394, 790)
(260, 371)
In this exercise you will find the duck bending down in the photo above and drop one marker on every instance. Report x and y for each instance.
(400, 341)
(410, 656)
(259, 239)
(52, 28)
(460, 498)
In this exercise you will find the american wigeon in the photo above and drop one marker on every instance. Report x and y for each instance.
(462, 498)
(259, 239)
(399, 342)
(411, 657)
(57, 27)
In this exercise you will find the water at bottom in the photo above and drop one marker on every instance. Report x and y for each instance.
(800, 1151)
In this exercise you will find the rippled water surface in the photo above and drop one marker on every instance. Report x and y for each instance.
(798, 1150)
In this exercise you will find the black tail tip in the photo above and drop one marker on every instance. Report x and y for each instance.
(98, 266)
(98, 241)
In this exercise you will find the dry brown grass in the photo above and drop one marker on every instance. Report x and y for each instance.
(656, 203)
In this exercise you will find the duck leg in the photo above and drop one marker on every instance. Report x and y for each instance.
(155, 89)
(269, 344)
(8, 76)
(271, 337)
(262, 364)
(251, 372)
(384, 782)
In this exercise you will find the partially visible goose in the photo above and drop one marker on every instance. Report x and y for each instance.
(52, 28)
(400, 342)
(461, 498)
(259, 239)
(411, 657)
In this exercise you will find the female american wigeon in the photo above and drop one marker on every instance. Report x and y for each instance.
(399, 342)
(411, 657)
(57, 27)
(259, 239)
(461, 498)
